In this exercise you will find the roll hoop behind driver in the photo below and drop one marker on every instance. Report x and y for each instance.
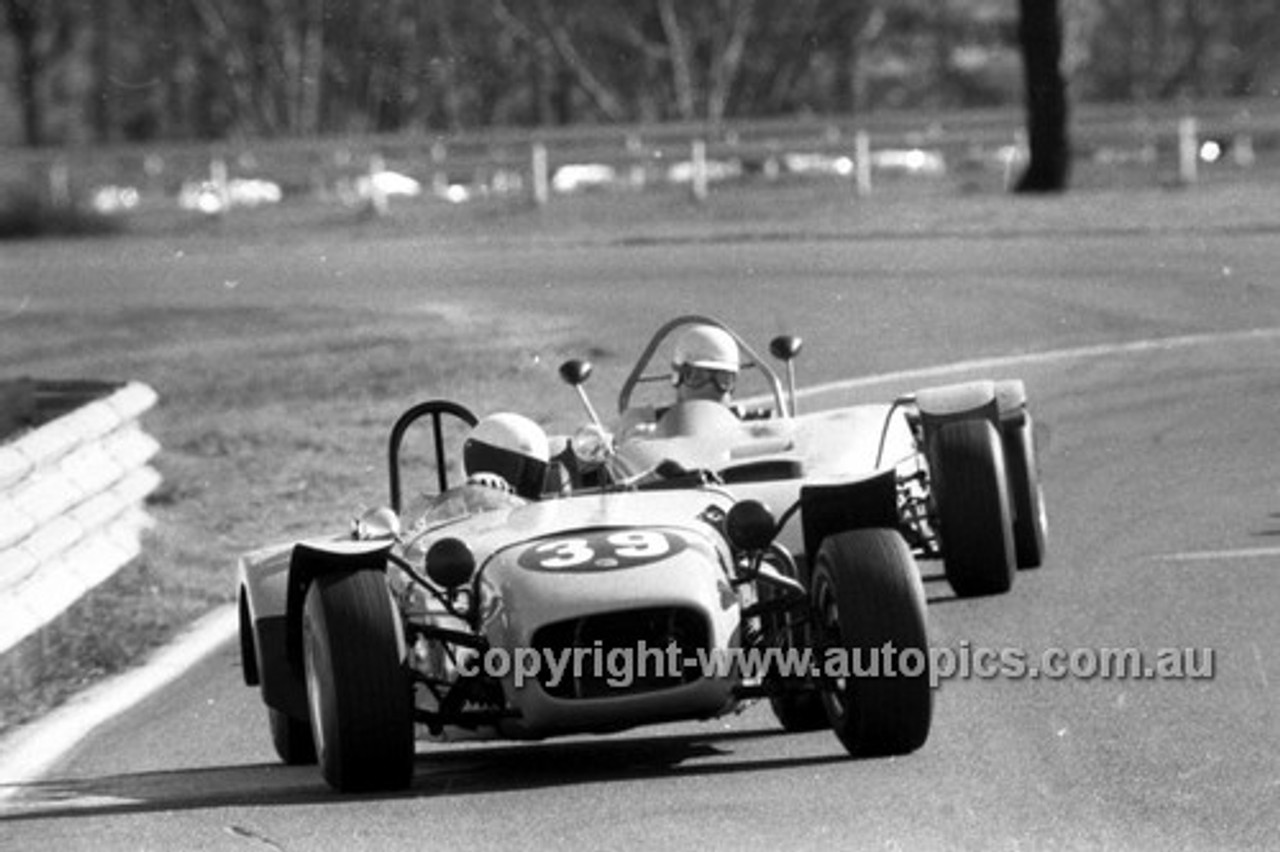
(505, 458)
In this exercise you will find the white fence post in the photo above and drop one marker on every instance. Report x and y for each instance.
(862, 162)
(60, 184)
(698, 155)
(439, 172)
(378, 203)
(541, 175)
(1019, 156)
(221, 184)
(635, 153)
(1188, 149)
(1242, 152)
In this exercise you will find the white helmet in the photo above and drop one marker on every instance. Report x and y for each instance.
(510, 446)
(708, 347)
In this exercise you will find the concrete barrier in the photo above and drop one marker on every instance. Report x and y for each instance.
(72, 493)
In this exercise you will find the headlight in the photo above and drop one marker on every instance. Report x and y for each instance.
(750, 526)
(450, 563)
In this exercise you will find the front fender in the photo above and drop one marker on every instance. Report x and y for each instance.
(273, 585)
(316, 558)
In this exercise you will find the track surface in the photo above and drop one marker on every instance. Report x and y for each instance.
(1163, 487)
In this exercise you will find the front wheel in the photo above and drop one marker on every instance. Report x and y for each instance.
(799, 712)
(869, 612)
(357, 688)
(292, 738)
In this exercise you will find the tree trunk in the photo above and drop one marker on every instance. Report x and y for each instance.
(25, 26)
(681, 61)
(102, 115)
(726, 60)
(1040, 36)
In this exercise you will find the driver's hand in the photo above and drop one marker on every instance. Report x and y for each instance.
(485, 479)
(593, 445)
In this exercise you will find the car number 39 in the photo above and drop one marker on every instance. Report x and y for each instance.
(622, 549)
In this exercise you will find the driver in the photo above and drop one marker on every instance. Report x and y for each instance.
(507, 452)
(705, 365)
(505, 461)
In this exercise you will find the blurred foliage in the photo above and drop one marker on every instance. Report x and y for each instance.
(78, 71)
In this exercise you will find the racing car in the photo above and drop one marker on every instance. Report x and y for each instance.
(952, 468)
(659, 546)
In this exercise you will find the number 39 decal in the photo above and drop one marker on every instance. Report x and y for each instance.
(601, 551)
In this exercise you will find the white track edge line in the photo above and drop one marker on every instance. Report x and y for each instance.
(1219, 555)
(1101, 350)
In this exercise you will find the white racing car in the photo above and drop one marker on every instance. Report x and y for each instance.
(635, 586)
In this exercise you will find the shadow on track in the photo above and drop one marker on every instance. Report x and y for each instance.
(441, 772)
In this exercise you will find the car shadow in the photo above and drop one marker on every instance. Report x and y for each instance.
(440, 772)
(938, 591)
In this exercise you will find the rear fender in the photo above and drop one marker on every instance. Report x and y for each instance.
(965, 401)
(1002, 404)
(1011, 399)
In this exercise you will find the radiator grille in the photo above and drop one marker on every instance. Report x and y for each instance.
(626, 652)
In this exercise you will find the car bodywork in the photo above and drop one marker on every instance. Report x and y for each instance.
(658, 548)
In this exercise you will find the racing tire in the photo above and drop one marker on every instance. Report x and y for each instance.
(800, 712)
(974, 514)
(866, 593)
(292, 738)
(358, 691)
(1030, 523)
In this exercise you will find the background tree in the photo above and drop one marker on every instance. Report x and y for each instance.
(42, 31)
(106, 70)
(1040, 35)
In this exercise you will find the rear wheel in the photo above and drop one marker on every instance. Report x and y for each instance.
(975, 520)
(357, 688)
(1029, 521)
(867, 597)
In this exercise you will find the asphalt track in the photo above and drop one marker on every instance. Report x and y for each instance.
(1158, 397)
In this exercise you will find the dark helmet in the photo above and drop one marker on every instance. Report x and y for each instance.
(512, 447)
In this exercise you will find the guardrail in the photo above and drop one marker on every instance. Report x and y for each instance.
(72, 491)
